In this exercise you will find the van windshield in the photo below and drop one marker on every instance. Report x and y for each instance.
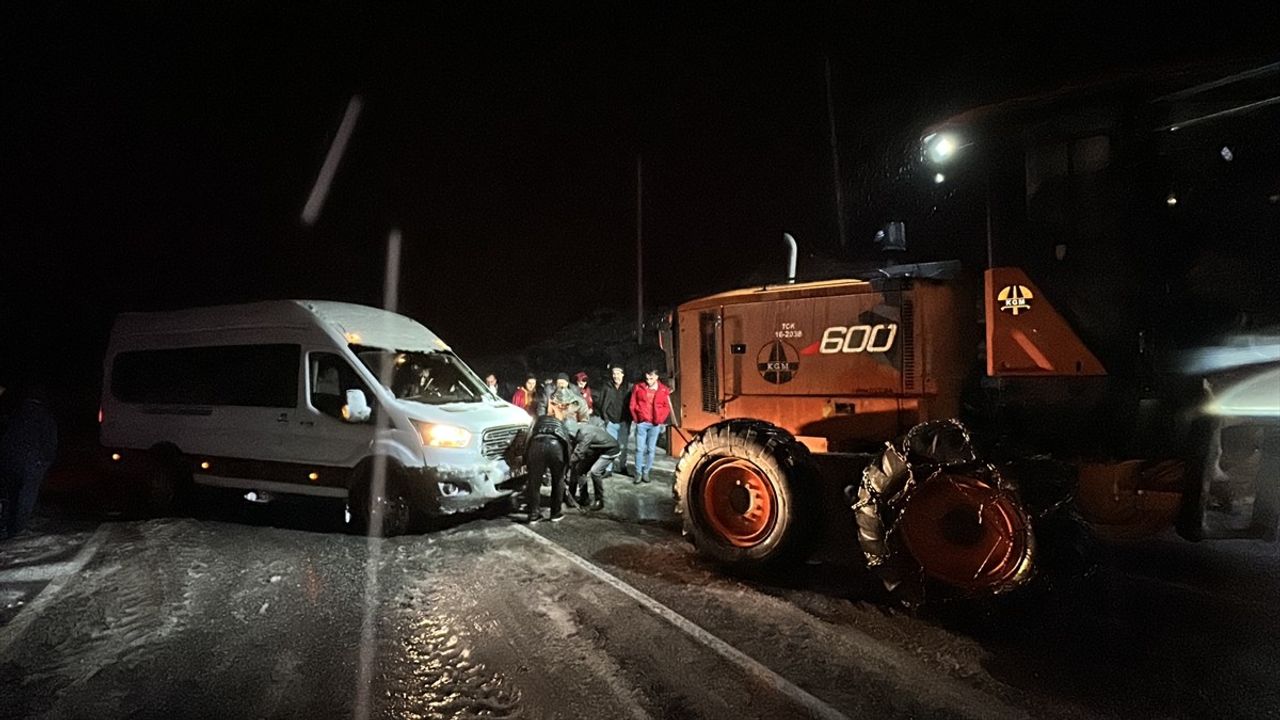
(434, 378)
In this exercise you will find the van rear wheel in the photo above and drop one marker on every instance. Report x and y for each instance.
(164, 479)
(744, 493)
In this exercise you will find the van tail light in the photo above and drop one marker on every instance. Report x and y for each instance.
(99, 416)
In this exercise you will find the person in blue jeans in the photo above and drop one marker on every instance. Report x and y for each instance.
(650, 409)
(613, 405)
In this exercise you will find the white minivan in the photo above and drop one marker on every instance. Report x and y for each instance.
(305, 397)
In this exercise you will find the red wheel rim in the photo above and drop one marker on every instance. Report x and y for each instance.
(738, 501)
(968, 534)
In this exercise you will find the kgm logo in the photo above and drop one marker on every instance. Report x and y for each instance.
(1015, 299)
(854, 339)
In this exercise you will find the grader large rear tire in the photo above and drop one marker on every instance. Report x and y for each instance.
(745, 491)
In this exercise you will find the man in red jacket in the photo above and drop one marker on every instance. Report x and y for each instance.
(650, 409)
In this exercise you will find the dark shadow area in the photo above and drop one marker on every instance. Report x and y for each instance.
(1139, 637)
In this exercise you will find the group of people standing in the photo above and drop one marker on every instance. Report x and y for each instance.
(580, 433)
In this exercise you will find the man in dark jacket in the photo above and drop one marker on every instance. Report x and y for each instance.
(613, 407)
(594, 449)
(28, 444)
(548, 450)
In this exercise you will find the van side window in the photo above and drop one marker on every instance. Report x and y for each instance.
(239, 375)
(331, 377)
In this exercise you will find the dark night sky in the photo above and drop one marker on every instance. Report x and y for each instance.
(158, 157)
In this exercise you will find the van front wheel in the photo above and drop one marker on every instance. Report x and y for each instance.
(379, 511)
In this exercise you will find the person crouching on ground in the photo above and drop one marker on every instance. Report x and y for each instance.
(548, 450)
(650, 408)
(594, 451)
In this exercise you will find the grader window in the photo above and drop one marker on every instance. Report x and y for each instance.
(710, 362)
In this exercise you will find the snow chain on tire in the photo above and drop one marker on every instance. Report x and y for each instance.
(930, 493)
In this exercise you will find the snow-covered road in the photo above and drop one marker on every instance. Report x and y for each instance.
(592, 618)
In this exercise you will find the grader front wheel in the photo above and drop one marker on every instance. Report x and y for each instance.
(744, 491)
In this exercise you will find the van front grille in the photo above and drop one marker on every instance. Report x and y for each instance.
(494, 441)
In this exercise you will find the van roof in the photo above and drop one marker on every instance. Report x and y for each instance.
(356, 324)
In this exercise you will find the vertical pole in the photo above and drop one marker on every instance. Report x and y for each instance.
(639, 250)
(990, 252)
(391, 288)
(373, 548)
(319, 191)
(835, 158)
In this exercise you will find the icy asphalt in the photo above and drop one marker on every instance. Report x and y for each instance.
(594, 617)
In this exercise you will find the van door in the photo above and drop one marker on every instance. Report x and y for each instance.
(320, 434)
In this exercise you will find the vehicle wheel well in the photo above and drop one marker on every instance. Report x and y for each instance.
(363, 471)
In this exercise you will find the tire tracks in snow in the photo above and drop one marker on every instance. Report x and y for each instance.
(890, 666)
(423, 666)
(132, 598)
(10, 633)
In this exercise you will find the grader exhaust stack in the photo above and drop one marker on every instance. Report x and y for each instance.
(791, 260)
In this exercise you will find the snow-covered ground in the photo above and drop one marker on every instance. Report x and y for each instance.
(600, 616)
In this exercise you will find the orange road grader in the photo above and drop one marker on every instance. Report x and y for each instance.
(1117, 362)
(829, 415)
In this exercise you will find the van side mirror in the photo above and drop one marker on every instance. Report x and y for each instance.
(357, 408)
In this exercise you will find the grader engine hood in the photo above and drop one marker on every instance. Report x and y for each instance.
(841, 364)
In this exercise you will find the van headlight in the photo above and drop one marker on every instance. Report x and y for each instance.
(438, 435)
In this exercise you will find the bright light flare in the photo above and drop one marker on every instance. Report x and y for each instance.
(1235, 352)
(941, 147)
(939, 178)
(1256, 396)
